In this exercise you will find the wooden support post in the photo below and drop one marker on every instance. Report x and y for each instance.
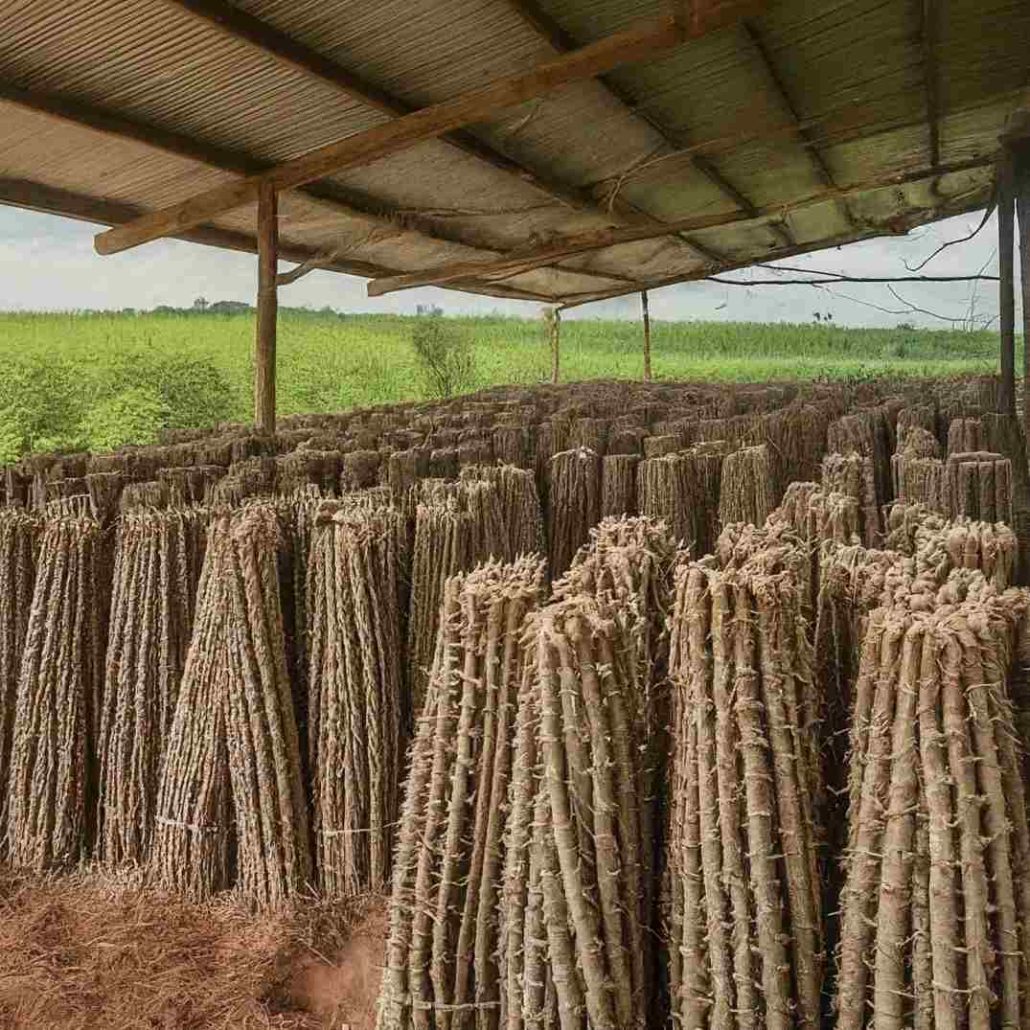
(553, 317)
(645, 310)
(267, 309)
(1023, 208)
(1006, 293)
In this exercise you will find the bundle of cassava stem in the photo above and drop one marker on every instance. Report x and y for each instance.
(20, 533)
(357, 708)
(519, 505)
(936, 905)
(579, 942)
(234, 726)
(854, 475)
(978, 484)
(574, 504)
(744, 920)
(747, 489)
(442, 964)
(52, 793)
(457, 525)
(157, 563)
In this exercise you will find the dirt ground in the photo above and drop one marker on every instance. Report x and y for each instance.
(89, 951)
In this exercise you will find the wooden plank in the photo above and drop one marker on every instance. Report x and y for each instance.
(931, 77)
(897, 226)
(804, 135)
(245, 26)
(267, 315)
(562, 42)
(32, 196)
(640, 42)
(1006, 272)
(599, 239)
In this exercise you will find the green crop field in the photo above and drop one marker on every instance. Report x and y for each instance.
(100, 380)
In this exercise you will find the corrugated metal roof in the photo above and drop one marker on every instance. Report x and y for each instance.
(833, 93)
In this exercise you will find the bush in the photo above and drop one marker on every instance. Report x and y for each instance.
(194, 392)
(134, 416)
(444, 352)
(41, 404)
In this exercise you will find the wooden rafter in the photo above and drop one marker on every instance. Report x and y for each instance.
(349, 203)
(562, 42)
(870, 231)
(640, 42)
(328, 195)
(931, 77)
(598, 239)
(779, 87)
(242, 25)
(33, 196)
(258, 33)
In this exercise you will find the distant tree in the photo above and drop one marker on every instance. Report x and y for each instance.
(444, 353)
(200, 304)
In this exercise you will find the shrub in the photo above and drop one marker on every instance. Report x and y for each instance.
(444, 352)
(193, 391)
(133, 416)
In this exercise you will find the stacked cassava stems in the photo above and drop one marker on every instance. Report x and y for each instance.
(357, 706)
(442, 964)
(233, 747)
(20, 533)
(744, 920)
(53, 751)
(936, 906)
(158, 557)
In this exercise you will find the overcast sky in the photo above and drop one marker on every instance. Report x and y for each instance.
(48, 263)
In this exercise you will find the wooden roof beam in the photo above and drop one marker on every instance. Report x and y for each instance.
(244, 26)
(931, 77)
(640, 42)
(891, 228)
(779, 86)
(325, 194)
(562, 42)
(33, 196)
(599, 239)
(88, 115)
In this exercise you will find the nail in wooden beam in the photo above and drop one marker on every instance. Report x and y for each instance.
(267, 310)
(1006, 298)
(645, 311)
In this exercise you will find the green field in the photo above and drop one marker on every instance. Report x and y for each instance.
(99, 380)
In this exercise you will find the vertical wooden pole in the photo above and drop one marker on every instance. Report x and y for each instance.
(645, 310)
(554, 321)
(1022, 191)
(1006, 293)
(267, 310)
